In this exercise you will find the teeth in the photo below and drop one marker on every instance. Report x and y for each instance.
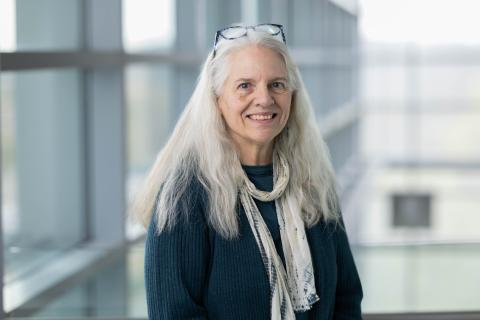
(261, 117)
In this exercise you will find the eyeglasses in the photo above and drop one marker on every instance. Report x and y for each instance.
(234, 32)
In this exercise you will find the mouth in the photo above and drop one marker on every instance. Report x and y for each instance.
(262, 116)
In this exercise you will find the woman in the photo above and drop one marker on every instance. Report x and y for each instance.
(241, 208)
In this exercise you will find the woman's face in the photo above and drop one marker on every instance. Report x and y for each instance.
(255, 99)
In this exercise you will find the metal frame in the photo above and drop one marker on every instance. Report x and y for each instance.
(1, 213)
(413, 55)
(100, 68)
(13, 61)
(16, 61)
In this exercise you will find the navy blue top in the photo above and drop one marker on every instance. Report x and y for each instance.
(192, 272)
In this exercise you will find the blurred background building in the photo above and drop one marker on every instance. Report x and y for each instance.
(90, 90)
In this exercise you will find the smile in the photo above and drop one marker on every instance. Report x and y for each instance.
(266, 116)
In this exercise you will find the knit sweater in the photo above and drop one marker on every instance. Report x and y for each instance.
(191, 272)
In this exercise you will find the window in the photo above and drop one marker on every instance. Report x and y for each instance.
(148, 25)
(40, 25)
(411, 210)
(148, 91)
(42, 167)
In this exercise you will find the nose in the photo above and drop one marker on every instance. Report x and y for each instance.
(263, 96)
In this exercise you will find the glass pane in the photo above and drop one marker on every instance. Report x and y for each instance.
(420, 277)
(149, 114)
(419, 123)
(40, 25)
(379, 84)
(115, 290)
(450, 84)
(149, 25)
(43, 203)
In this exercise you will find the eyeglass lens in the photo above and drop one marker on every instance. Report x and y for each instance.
(234, 32)
(237, 32)
(267, 28)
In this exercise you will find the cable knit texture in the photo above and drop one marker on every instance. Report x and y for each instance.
(193, 273)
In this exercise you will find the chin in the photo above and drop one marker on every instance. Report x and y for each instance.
(263, 140)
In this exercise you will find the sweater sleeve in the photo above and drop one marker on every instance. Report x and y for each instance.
(349, 291)
(176, 265)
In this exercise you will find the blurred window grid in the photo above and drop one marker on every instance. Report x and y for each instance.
(398, 106)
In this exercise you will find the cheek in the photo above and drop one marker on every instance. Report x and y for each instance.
(235, 108)
(286, 105)
(224, 106)
(231, 112)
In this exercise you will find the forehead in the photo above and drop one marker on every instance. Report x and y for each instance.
(253, 61)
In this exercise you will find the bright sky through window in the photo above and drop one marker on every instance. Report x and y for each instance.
(148, 24)
(7, 25)
(422, 22)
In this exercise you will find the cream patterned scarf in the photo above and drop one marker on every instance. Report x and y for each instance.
(293, 290)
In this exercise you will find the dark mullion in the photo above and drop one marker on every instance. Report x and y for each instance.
(39, 60)
(2, 255)
(12, 61)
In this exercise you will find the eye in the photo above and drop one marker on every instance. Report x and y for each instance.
(278, 85)
(244, 85)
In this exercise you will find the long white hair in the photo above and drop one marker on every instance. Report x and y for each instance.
(200, 148)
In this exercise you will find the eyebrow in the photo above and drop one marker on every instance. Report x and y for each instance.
(249, 79)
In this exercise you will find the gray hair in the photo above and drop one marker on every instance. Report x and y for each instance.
(199, 148)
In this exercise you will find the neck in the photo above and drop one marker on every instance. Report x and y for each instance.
(256, 155)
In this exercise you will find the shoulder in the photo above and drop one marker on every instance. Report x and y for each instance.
(194, 200)
(183, 208)
(190, 207)
(331, 231)
(336, 231)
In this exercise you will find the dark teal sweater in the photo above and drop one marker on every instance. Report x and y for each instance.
(193, 273)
